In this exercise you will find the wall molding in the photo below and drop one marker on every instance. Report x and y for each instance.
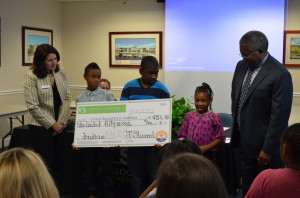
(296, 94)
(11, 92)
(82, 87)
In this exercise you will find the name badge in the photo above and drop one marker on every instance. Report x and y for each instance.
(45, 87)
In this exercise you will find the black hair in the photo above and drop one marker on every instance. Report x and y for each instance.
(180, 145)
(90, 67)
(291, 137)
(256, 40)
(149, 61)
(205, 88)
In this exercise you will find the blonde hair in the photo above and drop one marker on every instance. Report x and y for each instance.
(105, 80)
(23, 174)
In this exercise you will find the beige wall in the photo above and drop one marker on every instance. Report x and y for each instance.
(86, 27)
(292, 23)
(15, 14)
(81, 35)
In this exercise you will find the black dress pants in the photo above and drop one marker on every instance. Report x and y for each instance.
(98, 165)
(40, 140)
(250, 169)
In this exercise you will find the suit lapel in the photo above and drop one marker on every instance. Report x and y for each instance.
(262, 73)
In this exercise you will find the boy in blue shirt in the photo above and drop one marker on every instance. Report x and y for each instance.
(93, 157)
(142, 161)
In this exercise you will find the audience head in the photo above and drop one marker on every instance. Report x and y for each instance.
(44, 56)
(177, 146)
(149, 70)
(290, 145)
(24, 174)
(253, 47)
(189, 175)
(105, 84)
(92, 75)
(203, 98)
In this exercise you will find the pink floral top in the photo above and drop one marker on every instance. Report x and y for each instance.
(202, 129)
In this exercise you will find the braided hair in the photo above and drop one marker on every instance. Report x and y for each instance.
(291, 137)
(205, 88)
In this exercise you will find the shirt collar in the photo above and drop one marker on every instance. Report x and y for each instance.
(260, 65)
(93, 93)
(263, 61)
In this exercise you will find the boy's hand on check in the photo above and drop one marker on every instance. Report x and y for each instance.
(75, 147)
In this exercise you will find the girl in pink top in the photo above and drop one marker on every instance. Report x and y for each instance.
(203, 126)
(284, 182)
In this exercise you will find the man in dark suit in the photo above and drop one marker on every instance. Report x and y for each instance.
(261, 96)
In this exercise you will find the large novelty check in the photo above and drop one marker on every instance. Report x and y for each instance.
(124, 123)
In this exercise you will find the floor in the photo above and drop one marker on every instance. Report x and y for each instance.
(238, 195)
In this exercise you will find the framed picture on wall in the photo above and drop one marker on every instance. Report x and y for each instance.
(31, 38)
(291, 48)
(126, 49)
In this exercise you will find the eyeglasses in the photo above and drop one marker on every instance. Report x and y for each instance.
(246, 55)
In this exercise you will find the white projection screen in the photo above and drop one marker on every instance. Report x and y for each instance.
(202, 42)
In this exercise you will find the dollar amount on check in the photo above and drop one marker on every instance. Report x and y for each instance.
(124, 123)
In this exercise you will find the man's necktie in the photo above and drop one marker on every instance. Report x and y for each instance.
(243, 95)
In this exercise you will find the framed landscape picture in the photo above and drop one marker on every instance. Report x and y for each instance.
(31, 38)
(291, 48)
(126, 49)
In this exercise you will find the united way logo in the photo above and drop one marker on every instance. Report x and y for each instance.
(161, 136)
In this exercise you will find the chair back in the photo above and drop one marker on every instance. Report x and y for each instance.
(226, 119)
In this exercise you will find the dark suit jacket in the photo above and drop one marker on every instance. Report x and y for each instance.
(266, 110)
